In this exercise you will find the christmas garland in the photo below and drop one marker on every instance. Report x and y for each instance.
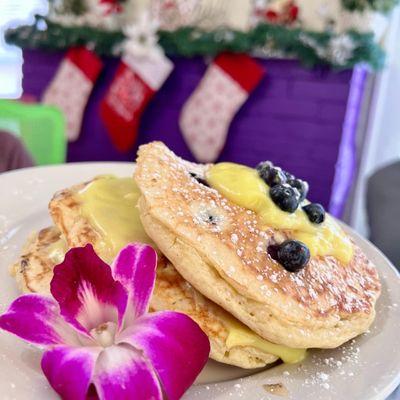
(377, 5)
(311, 48)
(47, 35)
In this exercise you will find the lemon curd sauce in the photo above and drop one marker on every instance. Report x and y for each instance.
(243, 186)
(110, 205)
(240, 335)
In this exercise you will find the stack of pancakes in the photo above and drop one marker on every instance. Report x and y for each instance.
(252, 309)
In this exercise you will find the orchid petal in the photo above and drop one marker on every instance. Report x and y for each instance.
(87, 293)
(122, 373)
(36, 319)
(69, 370)
(135, 267)
(175, 345)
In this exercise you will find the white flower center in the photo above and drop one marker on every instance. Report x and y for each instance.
(104, 334)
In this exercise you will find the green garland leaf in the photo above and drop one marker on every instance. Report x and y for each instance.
(383, 6)
(59, 37)
(311, 48)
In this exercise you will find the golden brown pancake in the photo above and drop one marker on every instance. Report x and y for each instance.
(221, 249)
(65, 210)
(34, 270)
(171, 292)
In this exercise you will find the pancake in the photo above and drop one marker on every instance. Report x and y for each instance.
(33, 270)
(221, 249)
(65, 210)
(172, 292)
(231, 342)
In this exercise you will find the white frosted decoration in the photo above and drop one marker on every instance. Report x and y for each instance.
(340, 49)
(141, 37)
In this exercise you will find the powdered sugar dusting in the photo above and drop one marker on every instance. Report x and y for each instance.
(323, 288)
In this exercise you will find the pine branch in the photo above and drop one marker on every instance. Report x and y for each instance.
(311, 48)
(383, 6)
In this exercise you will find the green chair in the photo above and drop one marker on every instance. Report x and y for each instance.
(40, 127)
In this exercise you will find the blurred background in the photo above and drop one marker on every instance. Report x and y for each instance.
(312, 85)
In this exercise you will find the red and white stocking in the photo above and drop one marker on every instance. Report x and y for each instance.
(135, 83)
(71, 86)
(207, 115)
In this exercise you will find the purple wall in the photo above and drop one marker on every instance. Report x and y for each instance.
(297, 118)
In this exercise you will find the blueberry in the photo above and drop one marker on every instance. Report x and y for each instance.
(199, 179)
(275, 177)
(264, 168)
(285, 197)
(315, 213)
(289, 176)
(291, 254)
(301, 186)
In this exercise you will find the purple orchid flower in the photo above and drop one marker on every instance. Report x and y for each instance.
(100, 341)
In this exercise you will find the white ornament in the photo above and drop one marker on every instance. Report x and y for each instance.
(340, 49)
(142, 39)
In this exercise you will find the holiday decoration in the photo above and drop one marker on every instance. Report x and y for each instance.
(206, 14)
(111, 6)
(209, 27)
(71, 87)
(332, 16)
(206, 116)
(285, 13)
(232, 14)
(265, 39)
(141, 37)
(378, 5)
(173, 14)
(106, 14)
(142, 71)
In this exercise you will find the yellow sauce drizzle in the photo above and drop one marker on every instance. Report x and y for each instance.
(110, 204)
(241, 335)
(244, 187)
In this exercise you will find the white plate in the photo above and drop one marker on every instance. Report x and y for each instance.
(367, 368)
